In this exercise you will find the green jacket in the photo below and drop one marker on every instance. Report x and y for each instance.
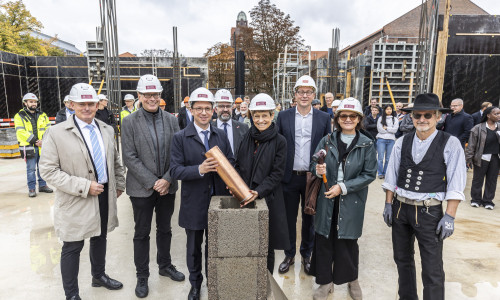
(360, 170)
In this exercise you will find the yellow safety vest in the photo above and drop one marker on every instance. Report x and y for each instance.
(125, 113)
(24, 129)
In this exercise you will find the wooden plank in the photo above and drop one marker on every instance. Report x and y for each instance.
(442, 47)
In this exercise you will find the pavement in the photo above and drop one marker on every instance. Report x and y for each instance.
(30, 252)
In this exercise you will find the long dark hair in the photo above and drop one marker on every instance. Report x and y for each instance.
(384, 114)
(486, 112)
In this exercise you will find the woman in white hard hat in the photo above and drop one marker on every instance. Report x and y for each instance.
(350, 166)
(261, 163)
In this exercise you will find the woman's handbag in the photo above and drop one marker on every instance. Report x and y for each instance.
(313, 185)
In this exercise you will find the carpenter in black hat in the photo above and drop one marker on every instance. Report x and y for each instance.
(427, 101)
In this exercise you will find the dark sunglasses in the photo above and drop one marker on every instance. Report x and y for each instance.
(418, 116)
(344, 117)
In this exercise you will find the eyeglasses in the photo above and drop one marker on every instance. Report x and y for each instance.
(418, 116)
(224, 106)
(302, 93)
(149, 96)
(202, 109)
(351, 117)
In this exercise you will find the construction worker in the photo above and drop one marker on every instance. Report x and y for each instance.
(162, 104)
(128, 108)
(66, 112)
(184, 117)
(31, 125)
(247, 100)
(236, 110)
(103, 113)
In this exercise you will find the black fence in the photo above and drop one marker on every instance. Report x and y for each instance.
(51, 78)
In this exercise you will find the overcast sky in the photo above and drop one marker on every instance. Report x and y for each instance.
(146, 24)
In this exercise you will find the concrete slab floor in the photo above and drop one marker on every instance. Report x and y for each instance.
(30, 252)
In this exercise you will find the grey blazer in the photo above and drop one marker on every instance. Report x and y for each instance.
(239, 131)
(138, 153)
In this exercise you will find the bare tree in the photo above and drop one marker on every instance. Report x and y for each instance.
(157, 53)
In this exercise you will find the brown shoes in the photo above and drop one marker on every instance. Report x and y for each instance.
(355, 290)
(285, 265)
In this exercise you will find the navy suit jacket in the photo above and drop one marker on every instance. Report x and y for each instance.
(476, 117)
(286, 127)
(239, 131)
(188, 152)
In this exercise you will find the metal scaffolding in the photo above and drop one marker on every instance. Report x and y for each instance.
(286, 70)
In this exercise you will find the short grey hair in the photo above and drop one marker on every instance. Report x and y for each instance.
(460, 101)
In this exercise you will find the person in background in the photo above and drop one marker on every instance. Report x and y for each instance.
(261, 161)
(31, 124)
(316, 104)
(293, 103)
(387, 126)
(236, 110)
(406, 125)
(458, 123)
(103, 113)
(278, 107)
(477, 116)
(276, 111)
(128, 108)
(399, 113)
(350, 166)
(162, 104)
(328, 104)
(247, 100)
(65, 112)
(184, 117)
(373, 102)
(482, 153)
(370, 122)
(244, 114)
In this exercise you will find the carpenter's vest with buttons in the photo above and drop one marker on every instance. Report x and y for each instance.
(428, 176)
(24, 122)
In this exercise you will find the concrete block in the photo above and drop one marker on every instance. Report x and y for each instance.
(235, 231)
(232, 278)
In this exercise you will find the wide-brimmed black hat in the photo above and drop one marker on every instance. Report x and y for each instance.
(427, 101)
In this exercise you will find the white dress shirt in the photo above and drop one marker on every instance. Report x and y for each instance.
(86, 136)
(229, 129)
(189, 115)
(303, 135)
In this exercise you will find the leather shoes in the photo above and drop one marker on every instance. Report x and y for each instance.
(75, 297)
(32, 193)
(194, 293)
(306, 261)
(285, 265)
(45, 189)
(172, 272)
(106, 282)
(142, 289)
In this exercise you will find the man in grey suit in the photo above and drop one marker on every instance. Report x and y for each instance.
(234, 130)
(146, 139)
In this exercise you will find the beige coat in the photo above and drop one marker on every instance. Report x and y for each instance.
(66, 164)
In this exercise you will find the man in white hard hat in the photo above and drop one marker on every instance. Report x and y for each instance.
(233, 129)
(129, 108)
(65, 112)
(146, 141)
(303, 127)
(103, 113)
(199, 179)
(31, 124)
(80, 159)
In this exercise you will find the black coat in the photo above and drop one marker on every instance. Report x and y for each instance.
(106, 116)
(459, 125)
(263, 174)
(370, 125)
(476, 117)
(181, 117)
(61, 115)
(187, 153)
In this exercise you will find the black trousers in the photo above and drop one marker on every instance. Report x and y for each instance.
(408, 222)
(294, 193)
(70, 253)
(488, 171)
(194, 256)
(341, 254)
(143, 216)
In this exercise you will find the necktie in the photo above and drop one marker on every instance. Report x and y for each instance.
(225, 127)
(205, 140)
(98, 157)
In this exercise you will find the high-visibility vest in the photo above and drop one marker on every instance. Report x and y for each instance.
(24, 129)
(125, 112)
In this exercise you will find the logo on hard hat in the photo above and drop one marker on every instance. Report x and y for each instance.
(260, 103)
(224, 97)
(202, 96)
(306, 81)
(86, 97)
(150, 87)
(348, 106)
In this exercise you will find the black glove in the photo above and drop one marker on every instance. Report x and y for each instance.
(387, 214)
(446, 226)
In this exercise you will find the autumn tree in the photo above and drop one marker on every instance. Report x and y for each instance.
(220, 65)
(16, 26)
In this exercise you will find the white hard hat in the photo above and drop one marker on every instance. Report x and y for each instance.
(305, 81)
(223, 96)
(102, 97)
(336, 102)
(350, 104)
(201, 94)
(82, 92)
(129, 97)
(66, 98)
(262, 102)
(149, 84)
(30, 96)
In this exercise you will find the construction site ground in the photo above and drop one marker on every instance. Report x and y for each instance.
(30, 252)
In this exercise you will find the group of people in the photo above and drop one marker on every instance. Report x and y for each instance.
(273, 156)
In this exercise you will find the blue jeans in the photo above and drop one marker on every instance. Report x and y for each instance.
(384, 147)
(31, 167)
